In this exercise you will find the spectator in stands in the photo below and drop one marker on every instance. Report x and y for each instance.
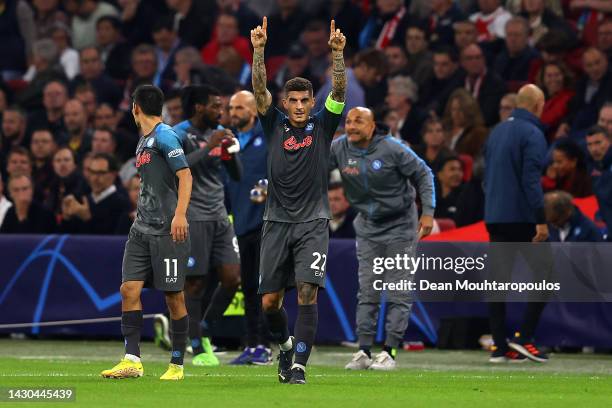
(114, 51)
(173, 109)
(285, 26)
(92, 73)
(420, 59)
(127, 218)
(66, 180)
(543, 20)
(19, 161)
(5, 204)
(444, 14)
(433, 149)
(461, 202)
(397, 60)
(55, 96)
(195, 20)
(13, 131)
(247, 19)
(600, 163)
(483, 84)
(604, 38)
(342, 215)
(464, 125)
(514, 210)
(386, 25)
(45, 68)
(47, 15)
(369, 67)
(25, 216)
(605, 117)
(187, 61)
(566, 222)
(43, 147)
(79, 134)
(87, 95)
(144, 68)
(234, 66)
(315, 37)
(590, 13)
(447, 77)
(14, 54)
(513, 63)
(506, 106)
(136, 17)
(99, 212)
(104, 141)
(402, 96)
(569, 171)
(84, 21)
(348, 16)
(296, 64)
(555, 80)
(68, 56)
(167, 43)
(592, 91)
(490, 20)
(105, 117)
(465, 34)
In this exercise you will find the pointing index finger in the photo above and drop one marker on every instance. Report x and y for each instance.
(332, 26)
(265, 23)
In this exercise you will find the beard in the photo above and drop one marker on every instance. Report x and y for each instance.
(239, 123)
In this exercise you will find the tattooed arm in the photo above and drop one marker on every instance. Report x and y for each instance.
(337, 41)
(262, 95)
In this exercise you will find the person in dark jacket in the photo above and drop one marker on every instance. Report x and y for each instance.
(514, 207)
(378, 172)
(567, 223)
(343, 215)
(600, 165)
(513, 63)
(248, 219)
(26, 216)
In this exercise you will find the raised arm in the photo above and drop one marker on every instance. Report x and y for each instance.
(337, 41)
(262, 95)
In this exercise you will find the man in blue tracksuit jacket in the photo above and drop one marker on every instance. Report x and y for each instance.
(514, 208)
(248, 219)
(567, 223)
(600, 167)
(378, 173)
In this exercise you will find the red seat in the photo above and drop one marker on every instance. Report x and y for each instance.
(468, 166)
(446, 224)
(273, 65)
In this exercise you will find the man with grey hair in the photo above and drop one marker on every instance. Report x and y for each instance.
(513, 63)
(567, 223)
(186, 61)
(402, 96)
(44, 69)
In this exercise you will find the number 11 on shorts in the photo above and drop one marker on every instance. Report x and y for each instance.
(171, 277)
(319, 259)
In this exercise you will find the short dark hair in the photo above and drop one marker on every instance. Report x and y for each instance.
(113, 165)
(162, 23)
(572, 150)
(19, 150)
(114, 21)
(150, 99)
(298, 84)
(107, 130)
(196, 94)
(596, 129)
(372, 58)
(449, 157)
(335, 185)
(447, 50)
(173, 94)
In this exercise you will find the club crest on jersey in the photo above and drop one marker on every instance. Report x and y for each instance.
(257, 142)
(292, 144)
(376, 165)
(143, 158)
(150, 142)
(309, 127)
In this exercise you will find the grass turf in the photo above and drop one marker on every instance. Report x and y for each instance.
(426, 379)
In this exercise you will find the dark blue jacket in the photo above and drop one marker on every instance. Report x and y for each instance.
(248, 216)
(601, 174)
(581, 230)
(514, 156)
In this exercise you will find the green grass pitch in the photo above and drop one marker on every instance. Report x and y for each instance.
(425, 379)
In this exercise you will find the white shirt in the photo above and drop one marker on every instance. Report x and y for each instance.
(4, 207)
(70, 62)
(104, 194)
(496, 22)
(564, 232)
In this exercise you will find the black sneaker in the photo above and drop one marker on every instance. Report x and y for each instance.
(298, 376)
(528, 349)
(498, 355)
(285, 361)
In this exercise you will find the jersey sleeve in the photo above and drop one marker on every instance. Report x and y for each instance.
(171, 147)
(329, 117)
(269, 120)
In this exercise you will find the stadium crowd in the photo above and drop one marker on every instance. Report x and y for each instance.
(439, 74)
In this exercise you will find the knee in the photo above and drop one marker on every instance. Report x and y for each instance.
(307, 293)
(230, 277)
(129, 292)
(271, 302)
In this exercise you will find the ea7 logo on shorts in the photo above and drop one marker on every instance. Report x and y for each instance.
(175, 153)
(171, 272)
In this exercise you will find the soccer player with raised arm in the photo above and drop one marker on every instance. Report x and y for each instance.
(158, 243)
(295, 233)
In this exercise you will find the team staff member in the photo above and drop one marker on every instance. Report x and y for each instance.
(376, 171)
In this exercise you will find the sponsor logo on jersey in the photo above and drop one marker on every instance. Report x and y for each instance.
(175, 153)
(143, 158)
(350, 171)
(292, 144)
(376, 165)
(150, 142)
